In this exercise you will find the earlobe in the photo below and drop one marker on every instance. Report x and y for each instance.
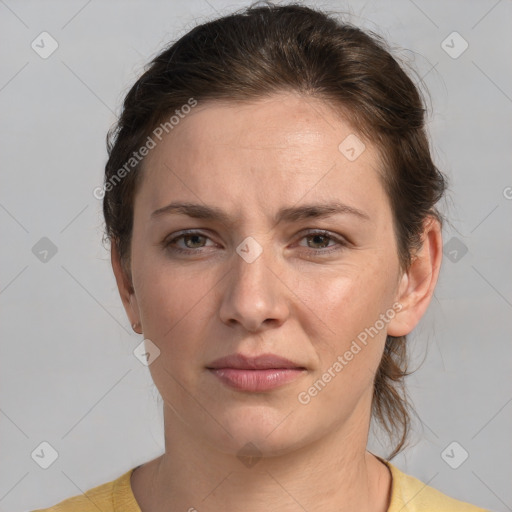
(418, 282)
(125, 287)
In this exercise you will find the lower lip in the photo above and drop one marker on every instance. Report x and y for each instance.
(256, 380)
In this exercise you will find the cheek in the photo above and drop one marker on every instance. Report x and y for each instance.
(343, 312)
(168, 294)
(170, 300)
(348, 336)
(346, 299)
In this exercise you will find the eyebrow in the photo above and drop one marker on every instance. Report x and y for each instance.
(287, 214)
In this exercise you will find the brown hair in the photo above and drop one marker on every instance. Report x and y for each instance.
(268, 49)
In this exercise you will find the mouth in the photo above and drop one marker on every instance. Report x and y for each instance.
(261, 373)
(256, 380)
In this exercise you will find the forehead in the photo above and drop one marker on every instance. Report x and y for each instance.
(275, 150)
(279, 122)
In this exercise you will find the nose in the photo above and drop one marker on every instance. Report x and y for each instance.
(254, 295)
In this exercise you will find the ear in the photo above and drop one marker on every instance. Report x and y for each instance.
(417, 284)
(125, 287)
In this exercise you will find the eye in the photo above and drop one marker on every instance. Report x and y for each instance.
(193, 241)
(321, 239)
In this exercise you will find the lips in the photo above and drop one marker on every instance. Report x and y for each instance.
(261, 373)
(261, 362)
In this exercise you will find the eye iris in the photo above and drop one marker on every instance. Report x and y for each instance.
(321, 236)
(187, 237)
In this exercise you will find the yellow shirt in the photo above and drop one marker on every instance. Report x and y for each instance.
(408, 494)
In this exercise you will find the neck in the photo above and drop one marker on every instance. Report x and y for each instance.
(333, 473)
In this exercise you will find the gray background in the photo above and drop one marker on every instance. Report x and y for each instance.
(68, 375)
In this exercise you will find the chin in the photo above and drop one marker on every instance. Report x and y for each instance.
(259, 429)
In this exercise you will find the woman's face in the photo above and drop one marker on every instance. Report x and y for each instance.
(324, 301)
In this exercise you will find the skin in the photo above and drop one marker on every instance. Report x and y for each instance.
(250, 160)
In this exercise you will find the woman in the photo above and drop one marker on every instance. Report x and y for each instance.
(270, 201)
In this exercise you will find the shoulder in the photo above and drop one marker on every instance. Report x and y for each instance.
(408, 494)
(113, 496)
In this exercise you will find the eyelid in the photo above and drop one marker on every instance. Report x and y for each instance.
(324, 232)
(173, 237)
(340, 240)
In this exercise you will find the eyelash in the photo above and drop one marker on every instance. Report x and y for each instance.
(342, 244)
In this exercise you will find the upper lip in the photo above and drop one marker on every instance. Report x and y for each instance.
(261, 362)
